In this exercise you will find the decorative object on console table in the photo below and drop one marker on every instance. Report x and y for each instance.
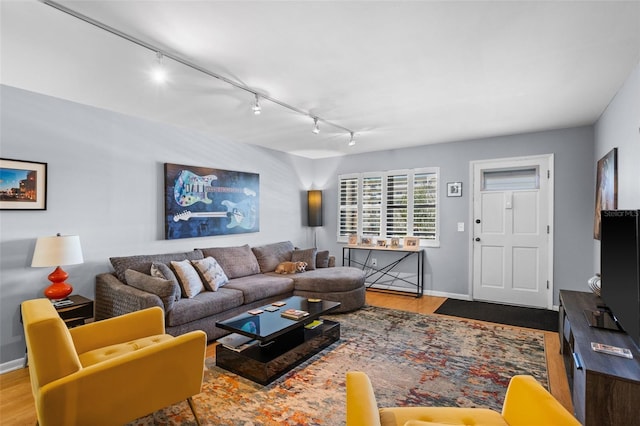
(56, 251)
(411, 243)
(78, 312)
(23, 185)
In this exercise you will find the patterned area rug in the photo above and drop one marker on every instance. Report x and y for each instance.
(412, 359)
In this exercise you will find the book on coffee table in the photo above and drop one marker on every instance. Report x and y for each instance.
(234, 340)
(294, 314)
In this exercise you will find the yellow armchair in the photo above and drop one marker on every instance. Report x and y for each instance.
(108, 372)
(526, 403)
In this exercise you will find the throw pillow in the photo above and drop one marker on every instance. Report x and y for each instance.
(269, 256)
(164, 289)
(162, 270)
(236, 262)
(307, 255)
(212, 273)
(188, 278)
(322, 259)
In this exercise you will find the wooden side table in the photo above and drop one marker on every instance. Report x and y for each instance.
(76, 313)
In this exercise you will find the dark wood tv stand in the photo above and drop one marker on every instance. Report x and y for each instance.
(605, 389)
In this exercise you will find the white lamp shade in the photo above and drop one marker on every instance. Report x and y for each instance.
(56, 251)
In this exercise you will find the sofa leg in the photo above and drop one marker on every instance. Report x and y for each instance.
(193, 410)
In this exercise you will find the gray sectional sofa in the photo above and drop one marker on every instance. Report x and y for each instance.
(252, 282)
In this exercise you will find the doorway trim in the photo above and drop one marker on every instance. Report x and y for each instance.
(509, 162)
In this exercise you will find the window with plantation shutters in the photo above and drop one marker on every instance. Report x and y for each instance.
(424, 205)
(390, 204)
(397, 205)
(371, 204)
(349, 199)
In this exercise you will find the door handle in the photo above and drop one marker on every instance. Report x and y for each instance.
(477, 220)
(477, 238)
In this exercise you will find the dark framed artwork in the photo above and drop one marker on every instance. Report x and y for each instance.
(23, 185)
(606, 188)
(202, 202)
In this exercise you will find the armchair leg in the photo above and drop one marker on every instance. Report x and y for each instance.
(193, 410)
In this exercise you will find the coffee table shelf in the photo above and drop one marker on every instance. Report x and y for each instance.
(282, 344)
(263, 363)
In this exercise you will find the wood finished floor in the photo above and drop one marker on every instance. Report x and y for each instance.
(16, 401)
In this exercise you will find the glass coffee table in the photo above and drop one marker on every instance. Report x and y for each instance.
(275, 344)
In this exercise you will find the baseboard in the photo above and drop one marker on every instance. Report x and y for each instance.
(412, 291)
(16, 364)
(447, 295)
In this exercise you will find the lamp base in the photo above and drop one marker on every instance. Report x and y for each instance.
(58, 289)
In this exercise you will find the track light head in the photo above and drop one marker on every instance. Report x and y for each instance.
(256, 108)
(159, 73)
(316, 127)
(352, 141)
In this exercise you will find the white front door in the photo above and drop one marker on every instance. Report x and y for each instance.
(512, 240)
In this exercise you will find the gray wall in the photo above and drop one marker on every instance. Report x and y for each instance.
(447, 267)
(619, 127)
(105, 184)
(105, 175)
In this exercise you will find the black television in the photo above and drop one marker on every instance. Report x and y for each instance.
(620, 268)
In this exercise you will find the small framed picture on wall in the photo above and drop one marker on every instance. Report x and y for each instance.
(23, 185)
(454, 189)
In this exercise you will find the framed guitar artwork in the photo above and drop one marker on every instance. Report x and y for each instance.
(201, 202)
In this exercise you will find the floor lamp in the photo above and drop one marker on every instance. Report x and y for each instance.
(314, 211)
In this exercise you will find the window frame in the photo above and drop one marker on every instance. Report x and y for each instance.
(385, 209)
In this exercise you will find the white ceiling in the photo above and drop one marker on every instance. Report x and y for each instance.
(398, 73)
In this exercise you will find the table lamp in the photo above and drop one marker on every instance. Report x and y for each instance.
(56, 251)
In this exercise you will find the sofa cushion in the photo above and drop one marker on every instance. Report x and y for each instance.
(235, 261)
(339, 279)
(306, 255)
(204, 305)
(212, 274)
(142, 263)
(160, 270)
(165, 289)
(257, 287)
(270, 255)
(188, 277)
(322, 259)
(108, 352)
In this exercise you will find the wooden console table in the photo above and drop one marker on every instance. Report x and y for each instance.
(605, 389)
(385, 270)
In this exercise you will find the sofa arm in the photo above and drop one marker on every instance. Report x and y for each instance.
(114, 298)
(528, 403)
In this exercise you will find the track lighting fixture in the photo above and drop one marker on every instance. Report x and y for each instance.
(160, 75)
(352, 141)
(256, 108)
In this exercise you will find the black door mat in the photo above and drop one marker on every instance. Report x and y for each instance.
(540, 319)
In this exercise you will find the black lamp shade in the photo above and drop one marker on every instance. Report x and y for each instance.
(314, 207)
